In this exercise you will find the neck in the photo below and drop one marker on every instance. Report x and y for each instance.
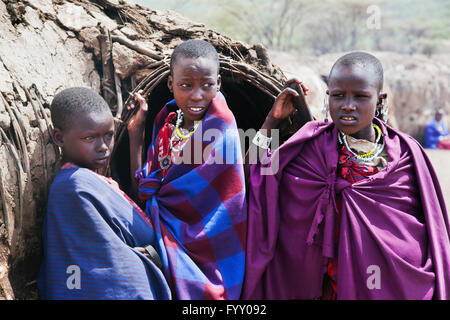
(367, 133)
(187, 124)
(64, 159)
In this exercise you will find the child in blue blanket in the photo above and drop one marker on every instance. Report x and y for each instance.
(94, 235)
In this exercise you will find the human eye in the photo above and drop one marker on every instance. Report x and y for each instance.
(184, 85)
(337, 95)
(109, 135)
(88, 138)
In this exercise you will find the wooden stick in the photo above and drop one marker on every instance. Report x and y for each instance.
(17, 129)
(6, 213)
(16, 157)
(158, 80)
(155, 74)
(42, 109)
(107, 67)
(134, 46)
(24, 149)
(119, 95)
(133, 82)
(156, 64)
(43, 142)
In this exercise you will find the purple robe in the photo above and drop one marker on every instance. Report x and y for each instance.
(394, 240)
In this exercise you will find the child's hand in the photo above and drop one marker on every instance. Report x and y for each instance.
(284, 104)
(143, 251)
(137, 122)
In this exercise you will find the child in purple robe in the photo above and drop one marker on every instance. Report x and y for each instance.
(348, 209)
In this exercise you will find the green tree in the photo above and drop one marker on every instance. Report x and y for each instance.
(318, 27)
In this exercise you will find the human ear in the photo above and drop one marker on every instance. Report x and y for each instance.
(219, 82)
(382, 97)
(170, 83)
(57, 137)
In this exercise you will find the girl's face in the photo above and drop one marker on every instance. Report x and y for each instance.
(194, 83)
(353, 98)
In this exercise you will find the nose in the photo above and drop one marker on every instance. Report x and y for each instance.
(102, 146)
(197, 95)
(348, 105)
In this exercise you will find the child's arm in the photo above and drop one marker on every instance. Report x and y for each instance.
(136, 130)
(283, 107)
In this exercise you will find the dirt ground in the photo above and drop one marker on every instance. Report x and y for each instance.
(441, 163)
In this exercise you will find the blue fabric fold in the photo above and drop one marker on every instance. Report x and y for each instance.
(89, 233)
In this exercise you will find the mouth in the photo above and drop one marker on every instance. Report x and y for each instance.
(101, 161)
(348, 120)
(196, 109)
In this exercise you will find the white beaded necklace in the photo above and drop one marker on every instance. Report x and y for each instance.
(177, 134)
(373, 152)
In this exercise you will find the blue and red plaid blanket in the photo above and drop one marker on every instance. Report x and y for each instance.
(199, 209)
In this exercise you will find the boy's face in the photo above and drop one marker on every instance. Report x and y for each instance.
(194, 83)
(88, 140)
(353, 98)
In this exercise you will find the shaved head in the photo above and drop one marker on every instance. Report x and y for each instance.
(71, 103)
(363, 60)
(195, 48)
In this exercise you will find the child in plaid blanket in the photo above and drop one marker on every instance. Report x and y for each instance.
(193, 180)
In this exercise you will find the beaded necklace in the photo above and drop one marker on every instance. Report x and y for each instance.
(372, 154)
(178, 136)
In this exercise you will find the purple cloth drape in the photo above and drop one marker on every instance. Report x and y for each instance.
(394, 241)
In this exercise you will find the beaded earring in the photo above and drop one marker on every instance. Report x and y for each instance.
(382, 113)
(326, 109)
(179, 118)
(385, 110)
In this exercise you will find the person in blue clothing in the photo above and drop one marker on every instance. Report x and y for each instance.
(436, 132)
(98, 244)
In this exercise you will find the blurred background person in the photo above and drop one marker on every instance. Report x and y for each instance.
(436, 132)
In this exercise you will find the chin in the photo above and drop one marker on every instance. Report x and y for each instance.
(197, 117)
(92, 166)
(346, 129)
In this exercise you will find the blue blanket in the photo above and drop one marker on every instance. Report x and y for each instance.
(89, 234)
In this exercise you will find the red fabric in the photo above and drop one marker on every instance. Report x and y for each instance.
(444, 145)
(163, 143)
(351, 171)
